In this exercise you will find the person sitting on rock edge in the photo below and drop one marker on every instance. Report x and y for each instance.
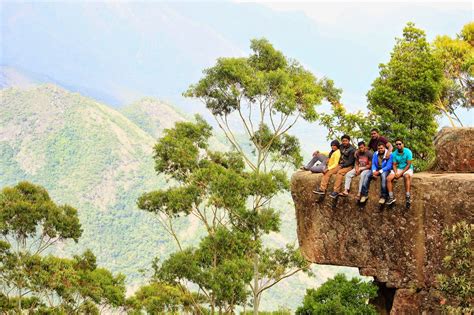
(375, 138)
(380, 167)
(402, 166)
(321, 161)
(363, 163)
(346, 163)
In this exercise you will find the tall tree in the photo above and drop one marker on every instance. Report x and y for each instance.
(215, 187)
(212, 187)
(457, 58)
(30, 222)
(265, 94)
(405, 93)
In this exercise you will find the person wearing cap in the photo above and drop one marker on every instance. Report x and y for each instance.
(346, 163)
(323, 160)
(402, 167)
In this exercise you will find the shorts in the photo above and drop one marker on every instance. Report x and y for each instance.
(399, 170)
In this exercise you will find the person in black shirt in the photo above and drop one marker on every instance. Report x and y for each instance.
(346, 163)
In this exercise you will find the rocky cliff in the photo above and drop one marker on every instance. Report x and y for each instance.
(401, 248)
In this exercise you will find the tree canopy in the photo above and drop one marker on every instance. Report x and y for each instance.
(339, 296)
(30, 222)
(404, 95)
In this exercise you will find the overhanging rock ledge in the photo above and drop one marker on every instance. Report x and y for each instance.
(401, 248)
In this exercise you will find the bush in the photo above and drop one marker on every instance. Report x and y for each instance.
(339, 296)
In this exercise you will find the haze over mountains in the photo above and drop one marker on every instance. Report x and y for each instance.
(88, 136)
(99, 160)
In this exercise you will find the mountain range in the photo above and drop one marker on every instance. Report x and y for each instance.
(99, 159)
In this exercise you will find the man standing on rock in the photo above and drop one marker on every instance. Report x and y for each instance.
(376, 138)
(363, 163)
(402, 158)
(381, 167)
(346, 163)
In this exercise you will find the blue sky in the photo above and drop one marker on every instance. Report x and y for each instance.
(120, 51)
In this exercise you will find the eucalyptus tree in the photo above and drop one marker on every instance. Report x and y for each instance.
(457, 58)
(30, 223)
(263, 96)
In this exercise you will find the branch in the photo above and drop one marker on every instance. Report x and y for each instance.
(278, 280)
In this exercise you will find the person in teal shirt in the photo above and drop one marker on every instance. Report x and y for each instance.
(402, 166)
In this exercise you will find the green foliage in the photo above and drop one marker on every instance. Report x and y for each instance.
(339, 296)
(267, 94)
(457, 282)
(280, 311)
(26, 207)
(30, 222)
(185, 153)
(404, 95)
(219, 266)
(457, 58)
(87, 155)
(159, 297)
(266, 72)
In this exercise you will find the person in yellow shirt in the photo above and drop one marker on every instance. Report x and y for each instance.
(324, 161)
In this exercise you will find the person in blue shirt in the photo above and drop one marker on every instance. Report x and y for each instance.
(402, 166)
(381, 167)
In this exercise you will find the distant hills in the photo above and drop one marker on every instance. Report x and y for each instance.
(92, 157)
(99, 159)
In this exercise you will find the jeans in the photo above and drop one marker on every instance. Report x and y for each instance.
(317, 168)
(351, 174)
(383, 184)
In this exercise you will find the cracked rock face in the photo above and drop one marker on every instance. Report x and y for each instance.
(454, 150)
(401, 248)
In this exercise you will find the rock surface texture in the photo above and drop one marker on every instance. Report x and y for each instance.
(454, 150)
(401, 248)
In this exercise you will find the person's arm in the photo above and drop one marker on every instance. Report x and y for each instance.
(389, 148)
(351, 158)
(369, 162)
(334, 160)
(375, 172)
(374, 163)
(357, 166)
(409, 160)
(388, 165)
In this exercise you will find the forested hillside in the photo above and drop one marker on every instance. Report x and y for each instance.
(100, 160)
(88, 155)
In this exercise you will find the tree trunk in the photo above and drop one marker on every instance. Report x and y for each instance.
(255, 285)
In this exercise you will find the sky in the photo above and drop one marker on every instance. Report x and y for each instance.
(119, 51)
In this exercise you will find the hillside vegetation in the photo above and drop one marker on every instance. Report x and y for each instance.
(100, 160)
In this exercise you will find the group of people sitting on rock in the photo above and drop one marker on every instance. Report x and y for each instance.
(377, 159)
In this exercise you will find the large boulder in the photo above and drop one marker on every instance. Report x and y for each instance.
(401, 248)
(454, 150)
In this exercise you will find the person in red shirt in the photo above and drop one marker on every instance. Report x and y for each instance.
(375, 138)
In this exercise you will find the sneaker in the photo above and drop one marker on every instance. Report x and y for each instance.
(358, 197)
(363, 199)
(333, 195)
(382, 200)
(319, 191)
(391, 200)
(408, 201)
